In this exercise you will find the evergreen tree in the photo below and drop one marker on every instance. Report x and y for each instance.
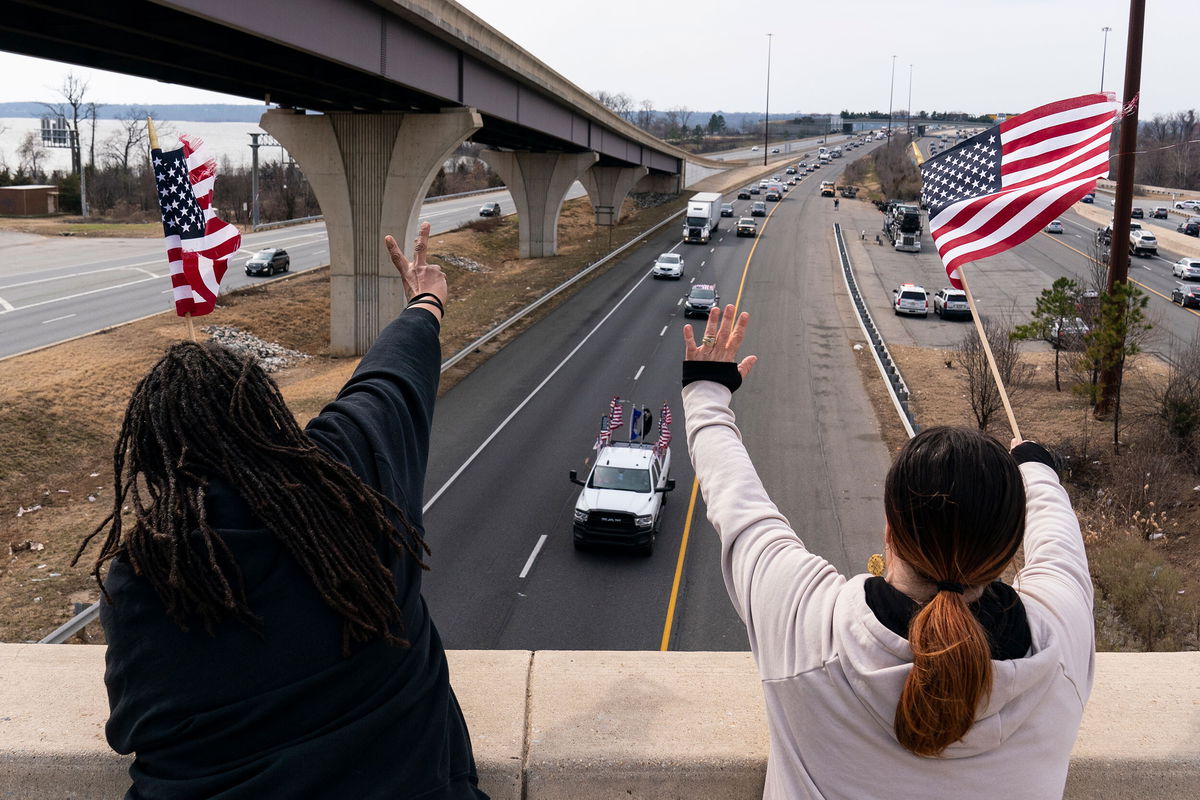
(1054, 308)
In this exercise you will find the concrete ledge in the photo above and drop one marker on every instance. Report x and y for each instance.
(584, 725)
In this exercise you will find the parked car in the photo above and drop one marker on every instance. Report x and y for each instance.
(908, 298)
(744, 194)
(489, 210)
(1137, 213)
(951, 302)
(668, 265)
(758, 209)
(1066, 334)
(268, 262)
(1055, 226)
(726, 209)
(1190, 227)
(1088, 198)
(1186, 268)
(1186, 296)
(747, 227)
(1160, 212)
(701, 299)
(1188, 205)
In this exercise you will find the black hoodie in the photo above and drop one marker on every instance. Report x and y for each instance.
(283, 714)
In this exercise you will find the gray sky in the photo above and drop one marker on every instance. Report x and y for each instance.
(983, 57)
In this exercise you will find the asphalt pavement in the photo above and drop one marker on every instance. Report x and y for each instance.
(57, 288)
(499, 504)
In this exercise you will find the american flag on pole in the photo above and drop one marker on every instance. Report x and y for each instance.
(999, 188)
(615, 420)
(198, 244)
(664, 428)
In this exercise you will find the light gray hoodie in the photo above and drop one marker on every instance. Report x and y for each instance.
(832, 672)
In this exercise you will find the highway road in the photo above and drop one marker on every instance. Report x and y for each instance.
(54, 288)
(499, 504)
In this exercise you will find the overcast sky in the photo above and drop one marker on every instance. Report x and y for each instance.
(983, 57)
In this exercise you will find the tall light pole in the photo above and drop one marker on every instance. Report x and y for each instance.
(767, 112)
(1104, 56)
(908, 125)
(891, 92)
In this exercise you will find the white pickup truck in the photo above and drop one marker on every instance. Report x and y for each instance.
(621, 504)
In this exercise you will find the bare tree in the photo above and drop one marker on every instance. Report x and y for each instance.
(92, 113)
(982, 391)
(128, 140)
(31, 153)
(73, 91)
(644, 118)
(619, 103)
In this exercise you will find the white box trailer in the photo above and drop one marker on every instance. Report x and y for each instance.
(702, 218)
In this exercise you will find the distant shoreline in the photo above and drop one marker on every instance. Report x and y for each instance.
(178, 112)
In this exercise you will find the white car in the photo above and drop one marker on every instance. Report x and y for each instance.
(1054, 227)
(622, 499)
(951, 302)
(1186, 268)
(1067, 334)
(668, 265)
(908, 298)
(1188, 205)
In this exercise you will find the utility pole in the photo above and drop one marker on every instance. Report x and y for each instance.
(1118, 257)
(908, 124)
(1104, 56)
(767, 114)
(891, 92)
(254, 145)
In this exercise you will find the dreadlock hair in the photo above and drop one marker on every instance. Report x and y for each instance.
(203, 413)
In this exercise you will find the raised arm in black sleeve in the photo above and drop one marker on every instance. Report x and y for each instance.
(379, 424)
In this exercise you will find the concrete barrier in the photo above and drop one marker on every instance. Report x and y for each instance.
(606, 725)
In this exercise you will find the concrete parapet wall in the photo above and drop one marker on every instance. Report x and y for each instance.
(592, 725)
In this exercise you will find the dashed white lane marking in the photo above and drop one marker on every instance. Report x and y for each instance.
(537, 548)
(663, 331)
(57, 319)
(5, 305)
(639, 372)
(679, 302)
(712, 250)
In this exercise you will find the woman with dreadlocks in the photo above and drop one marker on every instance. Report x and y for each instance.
(267, 635)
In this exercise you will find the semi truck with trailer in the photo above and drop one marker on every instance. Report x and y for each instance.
(703, 217)
(902, 224)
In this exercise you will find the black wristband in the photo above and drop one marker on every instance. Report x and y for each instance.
(1032, 451)
(722, 372)
(427, 296)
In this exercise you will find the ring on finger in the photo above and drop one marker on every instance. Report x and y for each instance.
(708, 340)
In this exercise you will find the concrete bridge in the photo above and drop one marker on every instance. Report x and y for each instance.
(593, 725)
(398, 85)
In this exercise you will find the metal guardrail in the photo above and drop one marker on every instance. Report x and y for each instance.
(73, 626)
(897, 388)
(266, 226)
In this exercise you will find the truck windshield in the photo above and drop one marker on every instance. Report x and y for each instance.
(626, 480)
(698, 222)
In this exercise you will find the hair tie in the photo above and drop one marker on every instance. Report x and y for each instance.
(950, 586)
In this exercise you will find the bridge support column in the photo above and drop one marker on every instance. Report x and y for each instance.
(607, 188)
(538, 182)
(661, 183)
(370, 173)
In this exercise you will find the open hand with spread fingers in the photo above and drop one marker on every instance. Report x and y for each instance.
(424, 283)
(723, 336)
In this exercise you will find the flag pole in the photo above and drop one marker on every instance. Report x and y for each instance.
(153, 136)
(987, 351)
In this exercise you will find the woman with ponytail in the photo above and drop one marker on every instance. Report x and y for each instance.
(937, 679)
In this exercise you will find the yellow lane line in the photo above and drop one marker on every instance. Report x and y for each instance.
(687, 523)
(1056, 240)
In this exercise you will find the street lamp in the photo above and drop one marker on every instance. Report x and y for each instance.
(767, 112)
(1104, 56)
(891, 92)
